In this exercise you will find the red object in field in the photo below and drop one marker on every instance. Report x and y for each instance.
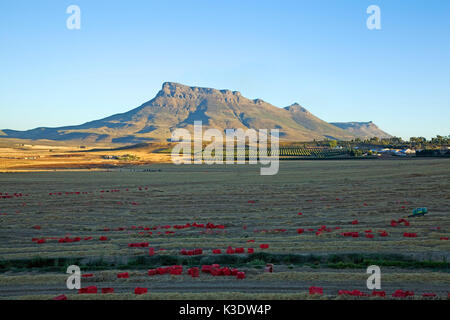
(152, 272)
(393, 223)
(316, 290)
(355, 222)
(300, 213)
(87, 275)
(355, 293)
(88, 238)
(217, 251)
(206, 268)
(370, 236)
(383, 234)
(194, 272)
(250, 250)
(37, 227)
(230, 250)
(443, 238)
(90, 289)
(151, 251)
(123, 275)
(318, 233)
(264, 246)
(103, 238)
(410, 235)
(226, 271)
(368, 231)
(342, 292)
(365, 204)
(429, 295)
(239, 250)
(251, 240)
(139, 290)
(60, 297)
(240, 275)
(300, 231)
(269, 268)
(107, 290)
(378, 293)
(402, 294)
(251, 201)
(41, 241)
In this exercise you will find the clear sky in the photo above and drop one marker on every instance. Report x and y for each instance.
(317, 53)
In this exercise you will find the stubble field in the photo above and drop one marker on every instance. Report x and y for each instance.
(324, 222)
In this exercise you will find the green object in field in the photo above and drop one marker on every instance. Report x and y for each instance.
(420, 211)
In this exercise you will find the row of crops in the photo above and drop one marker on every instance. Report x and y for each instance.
(286, 153)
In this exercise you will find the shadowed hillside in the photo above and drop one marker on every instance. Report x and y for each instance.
(362, 130)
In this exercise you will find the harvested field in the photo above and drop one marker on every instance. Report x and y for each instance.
(313, 215)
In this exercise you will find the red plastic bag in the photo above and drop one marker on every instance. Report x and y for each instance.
(60, 297)
(250, 250)
(240, 275)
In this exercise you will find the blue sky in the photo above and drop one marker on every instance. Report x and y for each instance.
(317, 53)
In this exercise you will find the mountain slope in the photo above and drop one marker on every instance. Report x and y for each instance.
(178, 106)
(363, 130)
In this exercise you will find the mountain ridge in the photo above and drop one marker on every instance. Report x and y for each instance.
(178, 106)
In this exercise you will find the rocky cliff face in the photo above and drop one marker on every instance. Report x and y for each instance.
(178, 106)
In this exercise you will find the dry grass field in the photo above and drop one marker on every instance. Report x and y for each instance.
(143, 204)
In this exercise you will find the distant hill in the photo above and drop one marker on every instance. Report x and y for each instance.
(362, 130)
(178, 106)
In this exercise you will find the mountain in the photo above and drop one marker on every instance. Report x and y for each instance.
(362, 130)
(178, 106)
